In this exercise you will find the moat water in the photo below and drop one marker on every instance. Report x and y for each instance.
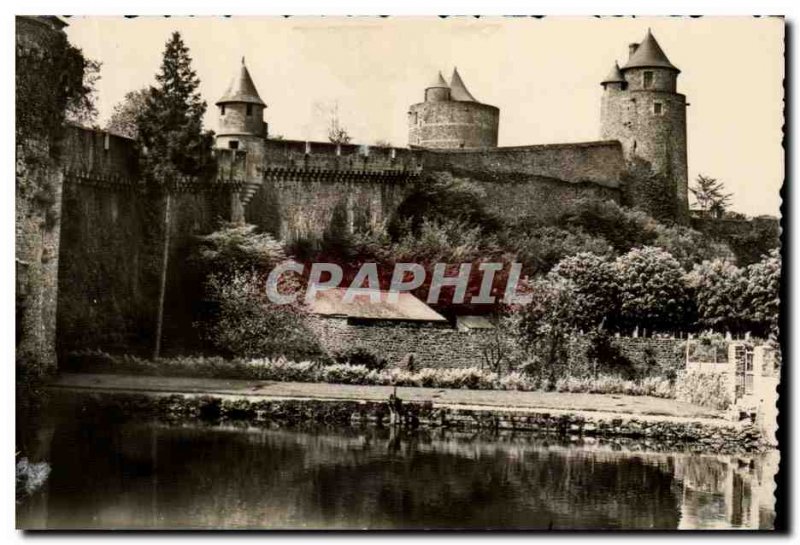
(144, 475)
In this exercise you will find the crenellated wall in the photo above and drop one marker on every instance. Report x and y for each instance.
(313, 187)
(537, 180)
(112, 243)
(600, 163)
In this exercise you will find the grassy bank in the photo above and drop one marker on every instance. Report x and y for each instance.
(471, 378)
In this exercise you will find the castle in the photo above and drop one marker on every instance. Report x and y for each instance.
(641, 160)
(101, 234)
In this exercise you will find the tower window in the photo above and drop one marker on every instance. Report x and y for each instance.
(249, 110)
(658, 108)
(222, 110)
(233, 144)
(647, 79)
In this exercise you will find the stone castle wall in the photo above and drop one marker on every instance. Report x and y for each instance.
(313, 188)
(111, 229)
(538, 181)
(600, 163)
(39, 53)
(112, 243)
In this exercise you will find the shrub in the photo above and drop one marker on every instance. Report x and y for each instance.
(426, 377)
(606, 356)
(247, 324)
(344, 374)
(519, 382)
(605, 384)
(361, 356)
(469, 378)
(30, 477)
(281, 369)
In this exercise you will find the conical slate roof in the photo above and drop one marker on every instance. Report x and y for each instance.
(242, 89)
(649, 55)
(458, 91)
(614, 76)
(438, 82)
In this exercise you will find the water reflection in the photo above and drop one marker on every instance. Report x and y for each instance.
(108, 474)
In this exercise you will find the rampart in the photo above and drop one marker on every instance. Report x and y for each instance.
(112, 243)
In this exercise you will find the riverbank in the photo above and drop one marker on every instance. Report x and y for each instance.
(666, 421)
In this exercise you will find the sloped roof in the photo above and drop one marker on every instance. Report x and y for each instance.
(242, 89)
(614, 76)
(458, 91)
(438, 82)
(649, 55)
(407, 307)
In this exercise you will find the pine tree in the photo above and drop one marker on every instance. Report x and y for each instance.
(171, 136)
(172, 143)
(710, 195)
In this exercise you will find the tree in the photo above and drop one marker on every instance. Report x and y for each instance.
(238, 318)
(172, 143)
(690, 247)
(653, 295)
(719, 290)
(124, 119)
(246, 324)
(238, 247)
(762, 296)
(594, 287)
(623, 228)
(539, 249)
(81, 108)
(337, 134)
(545, 326)
(709, 193)
(440, 197)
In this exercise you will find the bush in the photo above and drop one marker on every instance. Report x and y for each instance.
(283, 370)
(361, 356)
(606, 356)
(344, 374)
(247, 324)
(519, 382)
(605, 384)
(30, 477)
(308, 371)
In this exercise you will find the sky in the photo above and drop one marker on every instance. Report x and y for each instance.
(544, 75)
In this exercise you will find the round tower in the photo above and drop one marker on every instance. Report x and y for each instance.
(451, 118)
(242, 129)
(241, 115)
(643, 110)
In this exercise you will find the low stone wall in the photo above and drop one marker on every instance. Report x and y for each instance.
(432, 344)
(708, 389)
(665, 354)
(442, 346)
(703, 435)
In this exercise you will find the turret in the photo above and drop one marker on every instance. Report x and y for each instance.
(438, 90)
(241, 111)
(643, 110)
(451, 118)
(243, 131)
